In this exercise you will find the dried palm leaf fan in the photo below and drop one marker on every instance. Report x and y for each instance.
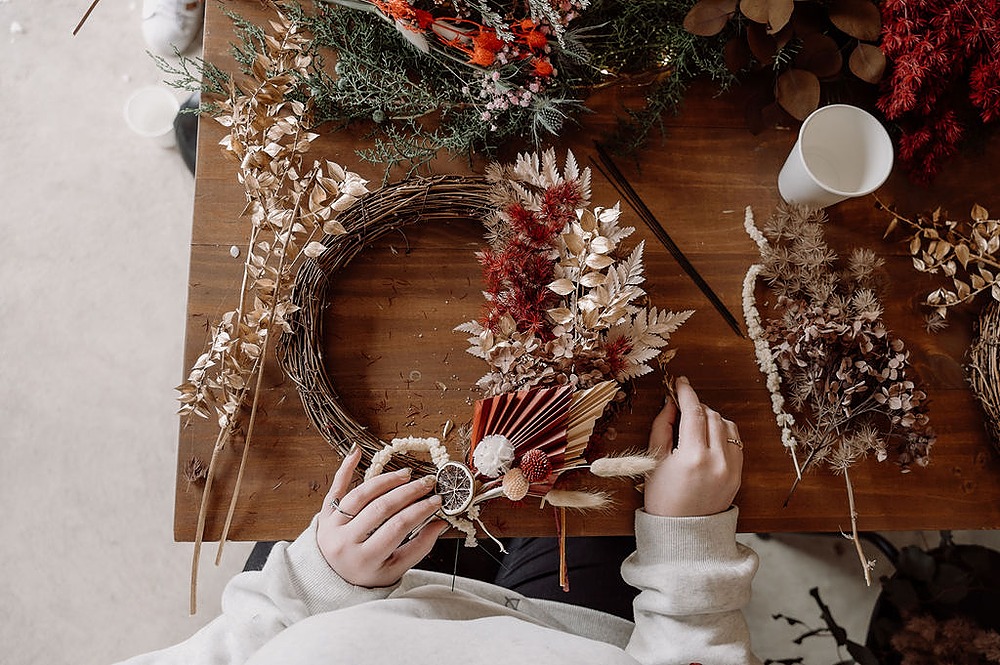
(541, 431)
(419, 201)
(984, 369)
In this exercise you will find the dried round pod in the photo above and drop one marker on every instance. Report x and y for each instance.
(515, 485)
(535, 465)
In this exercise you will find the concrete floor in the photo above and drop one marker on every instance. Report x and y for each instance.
(97, 222)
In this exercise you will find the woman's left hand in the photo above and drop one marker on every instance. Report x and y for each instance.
(364, 533)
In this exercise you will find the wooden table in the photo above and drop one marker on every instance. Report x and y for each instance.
(391, 318)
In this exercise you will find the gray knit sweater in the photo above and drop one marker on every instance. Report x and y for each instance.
(694, 579)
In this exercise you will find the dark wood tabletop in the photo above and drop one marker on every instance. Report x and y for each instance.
(392, 312)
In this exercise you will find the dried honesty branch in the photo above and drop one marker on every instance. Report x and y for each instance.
(560, 302)
(966, 251)
(290, 204)
(827, 353)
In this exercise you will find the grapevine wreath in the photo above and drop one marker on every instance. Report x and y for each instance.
(562, 334)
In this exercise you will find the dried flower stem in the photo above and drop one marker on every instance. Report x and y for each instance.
(866, 563)
(966, 252)
(259, 382)
(973, 255)
(220, 442)
(268, 139)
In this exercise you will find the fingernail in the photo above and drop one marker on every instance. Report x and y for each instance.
(355, 448)
(434, 499)
(429, 481)
(683, 379)
(404, 472)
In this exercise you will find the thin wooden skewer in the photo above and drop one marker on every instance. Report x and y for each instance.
(610, 171)
(85, 17)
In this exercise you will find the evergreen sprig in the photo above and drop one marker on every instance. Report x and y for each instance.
(417, 104)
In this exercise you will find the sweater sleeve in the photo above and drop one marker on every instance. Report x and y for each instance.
(694, 580)
(295, 583)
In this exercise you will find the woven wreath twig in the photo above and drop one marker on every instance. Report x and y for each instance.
(420, 201)
(984, 369)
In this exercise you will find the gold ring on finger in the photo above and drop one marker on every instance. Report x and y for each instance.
(735, 442)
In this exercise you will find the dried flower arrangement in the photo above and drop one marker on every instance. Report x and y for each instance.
(291, 202)
(423, 76)
(827, 353)
(967, 252)
(802, 45)
(560, 307)
(562, 330)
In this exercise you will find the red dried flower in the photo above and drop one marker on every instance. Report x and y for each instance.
(488, 40)
(614, 355)
(942, 53)
(423, 18)
(536, 40)
(542, 68)
(535, 465)
(482, 57)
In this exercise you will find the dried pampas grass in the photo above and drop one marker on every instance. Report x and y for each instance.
(630, 465)
(577, 499)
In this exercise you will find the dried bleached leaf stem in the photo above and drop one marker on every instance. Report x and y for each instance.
(290, 203)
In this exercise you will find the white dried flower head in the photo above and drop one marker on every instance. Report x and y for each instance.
(494, 455)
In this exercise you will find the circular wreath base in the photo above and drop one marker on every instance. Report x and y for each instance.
(394, 207)
(984, 369)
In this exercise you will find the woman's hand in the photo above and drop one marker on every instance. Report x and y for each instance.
(364, 533)
(702, 474)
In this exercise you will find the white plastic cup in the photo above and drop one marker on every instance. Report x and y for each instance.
(842, 152)
(150, 112)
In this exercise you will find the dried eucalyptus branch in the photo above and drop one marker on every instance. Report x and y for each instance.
(290, 204)
(966, 251)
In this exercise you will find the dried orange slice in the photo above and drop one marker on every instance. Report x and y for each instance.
(455, 485)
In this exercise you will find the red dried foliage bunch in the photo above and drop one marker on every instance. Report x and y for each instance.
(945, 75)
(517, 271)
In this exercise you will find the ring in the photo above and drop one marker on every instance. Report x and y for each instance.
(335, 504)
(735, 442)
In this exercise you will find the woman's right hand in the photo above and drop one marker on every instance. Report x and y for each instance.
(364, 533)
(702, 474)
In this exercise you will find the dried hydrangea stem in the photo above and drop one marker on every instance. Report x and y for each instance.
(866, 564)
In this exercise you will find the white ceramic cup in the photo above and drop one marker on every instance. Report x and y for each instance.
(842, 152)
(150, 112)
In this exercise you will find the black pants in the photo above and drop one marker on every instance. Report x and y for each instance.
(531, 568)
